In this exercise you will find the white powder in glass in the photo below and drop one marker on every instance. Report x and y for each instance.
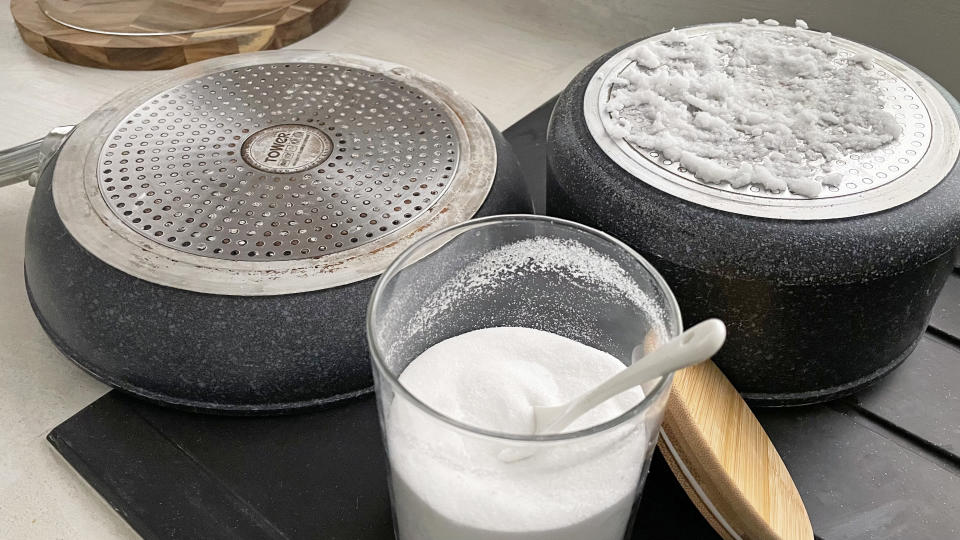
(449, 484)
(760, 104)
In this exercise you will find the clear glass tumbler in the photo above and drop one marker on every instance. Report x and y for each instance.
(508, 271)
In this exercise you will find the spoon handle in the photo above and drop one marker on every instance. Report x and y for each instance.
(691, 347)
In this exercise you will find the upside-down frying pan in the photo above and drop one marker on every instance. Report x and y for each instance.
(210, 240)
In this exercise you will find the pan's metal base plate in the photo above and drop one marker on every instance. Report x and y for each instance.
(279, 161)
(272, 173)
(892, 175)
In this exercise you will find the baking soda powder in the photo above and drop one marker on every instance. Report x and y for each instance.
(449, 483)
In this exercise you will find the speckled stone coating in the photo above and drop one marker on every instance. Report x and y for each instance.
(226, 354)
(815, 309)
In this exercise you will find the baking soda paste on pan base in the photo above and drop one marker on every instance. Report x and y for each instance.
(771, 121)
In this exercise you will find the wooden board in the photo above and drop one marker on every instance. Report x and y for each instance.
(276, 29)
(726, 463)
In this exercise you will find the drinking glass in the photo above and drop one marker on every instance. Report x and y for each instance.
(516, 271)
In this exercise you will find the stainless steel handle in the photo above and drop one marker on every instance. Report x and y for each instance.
(19, 163)
(27, 161)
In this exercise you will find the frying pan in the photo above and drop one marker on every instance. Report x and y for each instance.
(823, 295)
(209, 240)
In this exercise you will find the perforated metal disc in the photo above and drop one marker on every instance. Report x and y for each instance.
(889, 176)
(272, 172)
(279, 161)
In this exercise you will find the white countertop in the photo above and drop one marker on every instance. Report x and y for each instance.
(506, 56)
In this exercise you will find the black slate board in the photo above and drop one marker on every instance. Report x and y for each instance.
(879, 465)
(859, 480)
(922, 400)
(945, 319)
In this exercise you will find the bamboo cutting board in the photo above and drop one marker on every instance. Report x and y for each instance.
(149, 34)
(725, 461)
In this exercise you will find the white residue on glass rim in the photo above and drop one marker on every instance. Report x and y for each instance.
(570, 260)
(760, 104)
(450, 484)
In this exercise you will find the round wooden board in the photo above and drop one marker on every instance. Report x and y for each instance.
(138, 52)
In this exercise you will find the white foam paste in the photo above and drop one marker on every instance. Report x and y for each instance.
(761, 104)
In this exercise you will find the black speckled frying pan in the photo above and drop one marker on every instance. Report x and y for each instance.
(822, 295)
(209, 241)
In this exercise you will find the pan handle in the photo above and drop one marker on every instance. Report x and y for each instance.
(27, 161)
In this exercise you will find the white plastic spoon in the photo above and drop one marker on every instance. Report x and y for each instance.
(691, 347)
